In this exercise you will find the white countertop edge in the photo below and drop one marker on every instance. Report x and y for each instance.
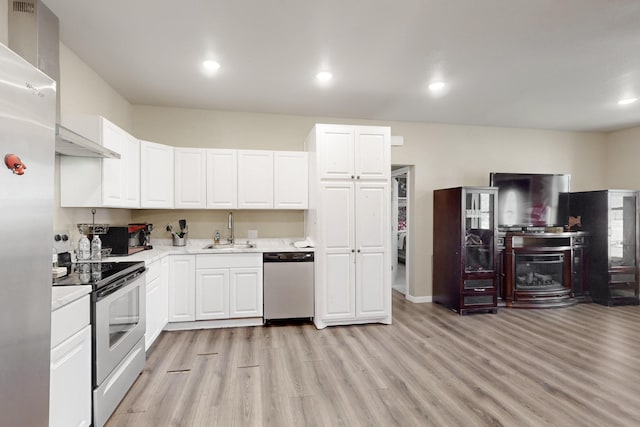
(163, 247)
(63, 295)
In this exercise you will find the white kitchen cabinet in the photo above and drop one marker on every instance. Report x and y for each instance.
(222, 179)
(190, 178)
(212, 293)
(351, 223)
(70, 375)
(182, 280)
(94, 182)
(255, 179)
(156, 175)
(353, 152)
(291, 180)
(228, 286)
(157, 307)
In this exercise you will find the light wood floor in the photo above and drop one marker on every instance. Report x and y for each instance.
(577, 366)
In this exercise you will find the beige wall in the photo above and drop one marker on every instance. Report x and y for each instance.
(83, 91)
(442, 156)
(623, 149)
(4, 22)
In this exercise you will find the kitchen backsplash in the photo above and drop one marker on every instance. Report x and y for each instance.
(204, 223)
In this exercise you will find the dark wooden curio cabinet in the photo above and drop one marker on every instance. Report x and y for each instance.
(464, 248)
(611, 218)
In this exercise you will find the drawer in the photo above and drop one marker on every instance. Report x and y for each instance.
(479, 300)
(229, 260)
(153, 271)
(623, 290)
(479, 285)
(69, 319)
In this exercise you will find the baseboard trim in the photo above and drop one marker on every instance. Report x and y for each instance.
(418, 300)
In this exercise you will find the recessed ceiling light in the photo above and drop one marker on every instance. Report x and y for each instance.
(627, 101)
(437, 86)
(210, 66)
(324, 76)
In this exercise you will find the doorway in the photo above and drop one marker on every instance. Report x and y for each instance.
(400, 202)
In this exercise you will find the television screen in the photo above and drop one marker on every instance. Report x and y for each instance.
(526, 200)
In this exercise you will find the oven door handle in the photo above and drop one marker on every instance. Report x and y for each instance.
(119, 284)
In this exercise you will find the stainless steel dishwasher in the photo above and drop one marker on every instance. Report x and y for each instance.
(288, 285)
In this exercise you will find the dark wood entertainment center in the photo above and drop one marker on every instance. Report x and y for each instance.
(478, 266)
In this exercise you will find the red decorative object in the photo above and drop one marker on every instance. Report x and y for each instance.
(14, 163)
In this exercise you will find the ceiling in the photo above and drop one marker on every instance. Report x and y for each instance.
(545, 64)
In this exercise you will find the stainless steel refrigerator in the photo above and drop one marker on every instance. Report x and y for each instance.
(27, 138)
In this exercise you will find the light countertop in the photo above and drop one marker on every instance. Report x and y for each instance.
(63, 295)
(162, 247)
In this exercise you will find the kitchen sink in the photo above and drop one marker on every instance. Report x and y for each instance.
(227, 246)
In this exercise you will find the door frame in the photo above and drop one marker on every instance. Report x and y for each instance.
(406, 171)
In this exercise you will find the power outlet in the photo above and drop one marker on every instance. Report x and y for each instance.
(252, 234)
(62, 241)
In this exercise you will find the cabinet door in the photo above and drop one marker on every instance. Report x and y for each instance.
(182, 285)
(372, 152)
(291, 180)
(113, 170)
(163, 311)
(70, 387)
(245, 292)
(190, 178)
(131, 171)
(152, 305)
(337, 270)
(335, 151)
(222, 179)
(156, 175)
(255, 179)
(212, 294)
(373, 233)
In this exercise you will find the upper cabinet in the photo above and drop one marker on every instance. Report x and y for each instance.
(92, 182)
(353, 152)
(255, 179)
(156, 175)
(291, 180)
(222, 179)
(190, 178)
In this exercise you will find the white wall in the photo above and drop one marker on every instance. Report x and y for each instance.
(623, 157)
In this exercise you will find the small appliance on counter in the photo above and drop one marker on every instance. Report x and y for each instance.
(127, 240)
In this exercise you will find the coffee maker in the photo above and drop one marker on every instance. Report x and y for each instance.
(127, 240)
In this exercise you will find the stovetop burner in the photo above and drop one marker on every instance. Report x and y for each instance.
(97, 274)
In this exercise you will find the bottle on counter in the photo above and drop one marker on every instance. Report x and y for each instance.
(54, 259)
(84, 249)
(96, 248)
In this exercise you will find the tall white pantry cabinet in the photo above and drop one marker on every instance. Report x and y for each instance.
(349, 220)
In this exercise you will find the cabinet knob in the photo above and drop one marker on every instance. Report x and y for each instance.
(358, 250)
(353, 250)
(353, 176)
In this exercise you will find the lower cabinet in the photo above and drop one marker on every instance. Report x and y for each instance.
(228, 286)
(157, 304)
(215, 286)
(70, 386)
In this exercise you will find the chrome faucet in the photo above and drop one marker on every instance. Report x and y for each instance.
(230, 239)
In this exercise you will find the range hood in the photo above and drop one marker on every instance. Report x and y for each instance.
(33, 34)
(69, 143)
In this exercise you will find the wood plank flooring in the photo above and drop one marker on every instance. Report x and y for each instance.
(576, 366)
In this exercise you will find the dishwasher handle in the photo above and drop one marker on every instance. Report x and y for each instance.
(287, 257)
